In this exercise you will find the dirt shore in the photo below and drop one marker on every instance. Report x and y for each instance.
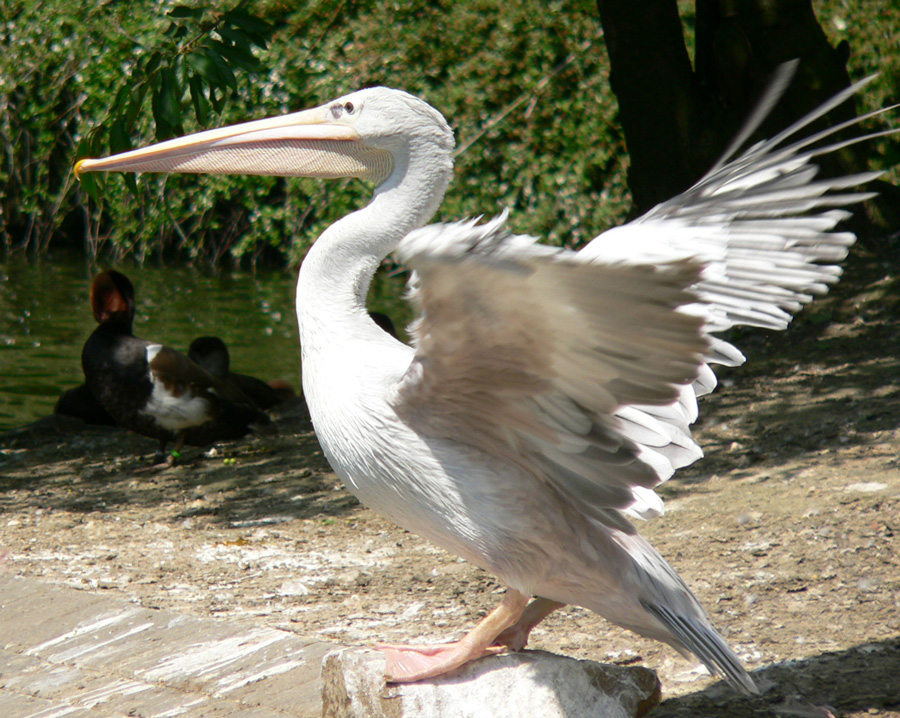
(787, 530)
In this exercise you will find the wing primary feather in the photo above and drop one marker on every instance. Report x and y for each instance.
(702, 640)
(773, 92)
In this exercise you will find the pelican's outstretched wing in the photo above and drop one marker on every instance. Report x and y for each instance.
(525, 352)
(763, 227)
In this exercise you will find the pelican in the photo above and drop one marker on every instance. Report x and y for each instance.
(547, 391)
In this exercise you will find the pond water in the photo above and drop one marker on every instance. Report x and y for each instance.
(45, 318)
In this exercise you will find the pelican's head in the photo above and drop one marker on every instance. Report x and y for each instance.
(356, 135)
(383, 116)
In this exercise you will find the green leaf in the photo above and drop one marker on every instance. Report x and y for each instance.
(166, 104)
(235, 37)
(237, 56)
(118, 137)
(217, 98)
(90, 183)
(185, 11)
(150, 65)
(134, 106)
(251, 24)
(121, 95)
(201, 104)
(226, 72)
(90, 145)
(202, 64)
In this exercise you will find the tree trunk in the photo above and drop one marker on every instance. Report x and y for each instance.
(650, 73)
(677, 120)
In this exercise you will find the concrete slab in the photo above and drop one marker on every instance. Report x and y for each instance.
(68, 653)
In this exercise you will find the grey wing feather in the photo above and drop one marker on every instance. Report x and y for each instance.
(706, 644)
(525, 352)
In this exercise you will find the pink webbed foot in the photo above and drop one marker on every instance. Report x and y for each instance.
(405, 664)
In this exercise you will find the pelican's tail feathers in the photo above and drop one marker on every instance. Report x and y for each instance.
(696, 635)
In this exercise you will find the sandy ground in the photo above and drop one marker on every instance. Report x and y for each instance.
(786, 530)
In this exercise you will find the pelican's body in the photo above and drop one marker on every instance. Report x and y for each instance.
(547, 391)
(472, 504)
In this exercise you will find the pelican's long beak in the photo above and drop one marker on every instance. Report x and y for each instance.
(303, 144)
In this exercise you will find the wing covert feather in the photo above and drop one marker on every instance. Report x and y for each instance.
(526, 352)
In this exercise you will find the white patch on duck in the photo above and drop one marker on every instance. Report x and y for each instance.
(174, 410)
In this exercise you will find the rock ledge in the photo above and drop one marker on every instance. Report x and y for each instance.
(530, 683)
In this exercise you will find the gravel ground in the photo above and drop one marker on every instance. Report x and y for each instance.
(786, 530)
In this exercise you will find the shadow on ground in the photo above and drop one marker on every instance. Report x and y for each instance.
(60, 464)
(861, 679)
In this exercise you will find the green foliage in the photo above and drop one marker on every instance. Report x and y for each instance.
(873, 31)
(80, 79)
(185, 73)
(525, 86)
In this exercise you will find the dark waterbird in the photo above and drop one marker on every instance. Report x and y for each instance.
(152, 389)
(212, 354)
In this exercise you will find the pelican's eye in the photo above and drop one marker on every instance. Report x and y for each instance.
(339, 109)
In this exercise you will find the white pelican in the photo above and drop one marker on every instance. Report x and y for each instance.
(547, 391)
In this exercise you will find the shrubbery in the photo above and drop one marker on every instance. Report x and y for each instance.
(524, 84)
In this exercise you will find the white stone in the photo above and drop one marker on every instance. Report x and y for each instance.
(867, 487)
(530, 683)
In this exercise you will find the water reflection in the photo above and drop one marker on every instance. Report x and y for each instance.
(45, 318)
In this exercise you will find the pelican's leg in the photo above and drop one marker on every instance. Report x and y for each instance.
(516, 636)
(406, 664)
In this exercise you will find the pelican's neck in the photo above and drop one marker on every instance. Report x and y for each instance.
(335, 276)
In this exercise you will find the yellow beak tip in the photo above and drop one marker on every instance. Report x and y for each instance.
(79, 168)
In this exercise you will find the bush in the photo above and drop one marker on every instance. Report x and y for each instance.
(525, 86)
